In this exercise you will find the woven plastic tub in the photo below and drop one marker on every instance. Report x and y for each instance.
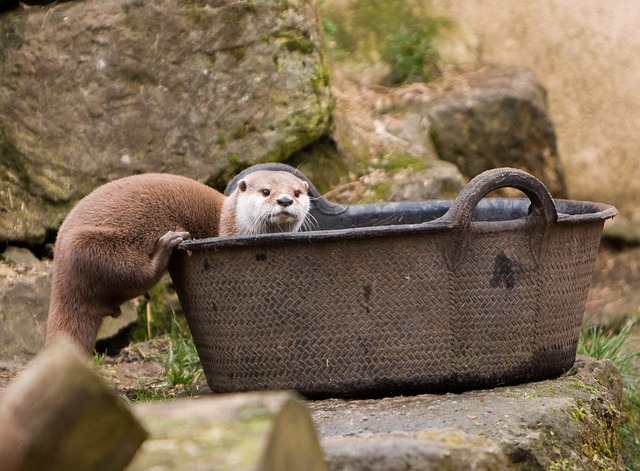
(396, 298)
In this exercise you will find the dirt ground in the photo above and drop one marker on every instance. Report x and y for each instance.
(615, 288)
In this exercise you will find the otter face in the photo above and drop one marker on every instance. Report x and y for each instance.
(271, 201)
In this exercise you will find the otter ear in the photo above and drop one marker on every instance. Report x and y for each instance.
(306, 186)
(242, 185)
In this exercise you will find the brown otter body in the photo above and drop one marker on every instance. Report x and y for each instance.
(116, 243)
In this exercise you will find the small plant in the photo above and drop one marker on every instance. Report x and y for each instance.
(145, 394)
(400, 32)
(561, 465)
(601, 343)
(182, 366)
(151, 319)
(411, 55)
(98, 359)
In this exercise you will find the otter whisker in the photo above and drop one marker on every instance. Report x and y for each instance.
(310, 223)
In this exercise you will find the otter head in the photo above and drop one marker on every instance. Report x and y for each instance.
(270, 201)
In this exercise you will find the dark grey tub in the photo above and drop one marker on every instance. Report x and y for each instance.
(396, 298)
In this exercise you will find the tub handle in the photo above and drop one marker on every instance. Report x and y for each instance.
(543, 209)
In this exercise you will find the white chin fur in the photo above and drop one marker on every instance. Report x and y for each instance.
(254, 216)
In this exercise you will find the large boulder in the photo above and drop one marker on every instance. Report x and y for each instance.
(95, 90)
(498, 117)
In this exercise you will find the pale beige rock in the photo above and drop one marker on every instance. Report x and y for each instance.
(269, 431)
(582, 53)
(20, 256)
(24, 304)
(60, 415)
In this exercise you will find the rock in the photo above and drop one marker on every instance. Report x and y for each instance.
(20, 256)
(576, 50)
(24, 305)
(25, 288)
(566, 423)
(624, 230)
(49, 418)
(441, 180)
(102, 89)
(441, 450)
(499, 118)
(113, 326)
(269, 431)
(427, 139)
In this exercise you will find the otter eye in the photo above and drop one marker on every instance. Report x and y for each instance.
(266, 191)
(297, 193)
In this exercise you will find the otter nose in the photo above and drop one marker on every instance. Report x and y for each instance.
(285, 201)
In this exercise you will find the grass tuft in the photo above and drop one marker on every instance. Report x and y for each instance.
(602, 343)
(182, 365)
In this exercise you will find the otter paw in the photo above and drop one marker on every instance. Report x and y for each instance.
(173, 238)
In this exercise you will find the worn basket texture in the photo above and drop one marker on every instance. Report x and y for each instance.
(397, 298)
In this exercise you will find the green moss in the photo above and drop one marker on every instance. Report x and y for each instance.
(320, 80)
(322, 163)
(235, 160)
(221, 139)
(234, 13)
(395, 162)
(394, 108)
(379, 191)
(578, 413)
(196, 15)
(563, 464)
(293, 40)
(454, 438)
(10, 39)
(238, 53)
(301, 128)
(242, 131)
(599, 445)
(580, 384)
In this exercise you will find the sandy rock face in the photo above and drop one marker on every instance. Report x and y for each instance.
(95, 90)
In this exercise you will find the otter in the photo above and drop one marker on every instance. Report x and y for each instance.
(265, 202)
(116, 243)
